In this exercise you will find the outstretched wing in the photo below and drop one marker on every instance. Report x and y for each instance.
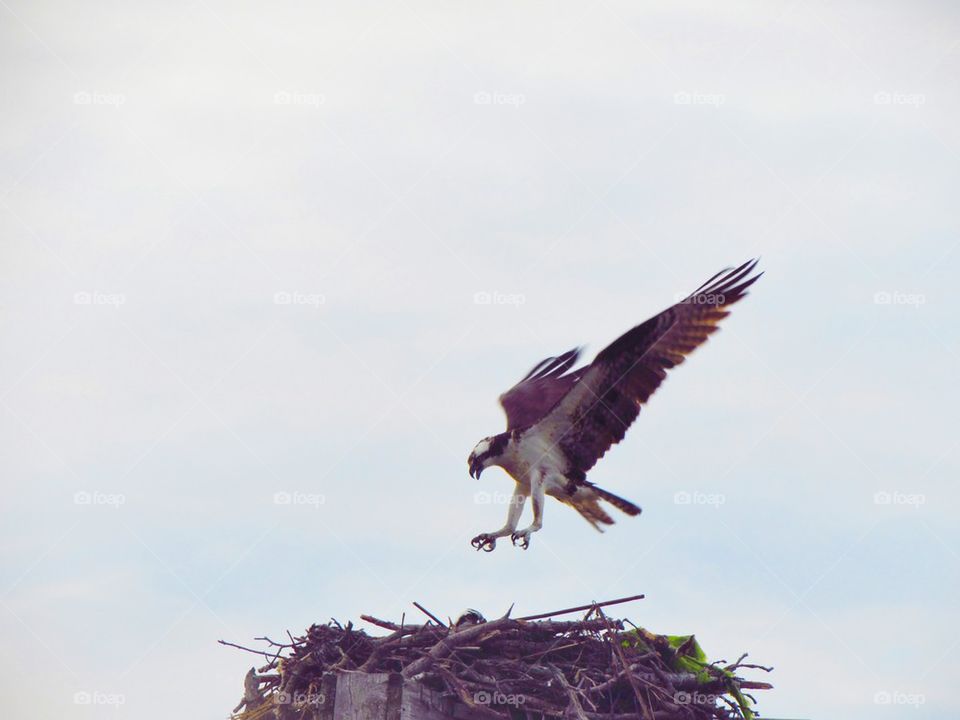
(542, 388)
(599, 408)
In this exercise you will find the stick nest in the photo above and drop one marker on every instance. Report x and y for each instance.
(588, 669)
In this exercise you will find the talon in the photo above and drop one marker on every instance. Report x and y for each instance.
(523, 537)
(484, 542)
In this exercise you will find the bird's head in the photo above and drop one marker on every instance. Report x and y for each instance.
(470, 617)
(486, 454)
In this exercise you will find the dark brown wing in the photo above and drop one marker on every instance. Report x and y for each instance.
(542, 388)
(597, 411)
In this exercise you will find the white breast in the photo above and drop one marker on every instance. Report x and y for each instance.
(533, 452)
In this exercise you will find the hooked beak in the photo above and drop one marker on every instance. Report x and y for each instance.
(475, 469)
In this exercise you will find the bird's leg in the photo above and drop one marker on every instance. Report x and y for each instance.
(488, 541)
(537, 485)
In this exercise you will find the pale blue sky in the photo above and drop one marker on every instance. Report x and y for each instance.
(170, 168)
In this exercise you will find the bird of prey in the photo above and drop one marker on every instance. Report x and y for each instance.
(469, 617)
(560, 421)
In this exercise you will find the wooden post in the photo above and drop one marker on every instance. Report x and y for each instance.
(385, 696)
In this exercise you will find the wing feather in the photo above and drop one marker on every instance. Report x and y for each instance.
(543, 387)
(597, 410)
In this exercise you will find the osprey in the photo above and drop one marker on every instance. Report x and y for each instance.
(561, 421)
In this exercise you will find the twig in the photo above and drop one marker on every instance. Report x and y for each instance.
(429, 614)
(385, 624)
(276, 644)
(453, 640)
(645, 708)
(246, 649)
(591, 606)
(574, 705)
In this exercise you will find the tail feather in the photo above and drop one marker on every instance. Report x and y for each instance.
(586, 500)
(624, 506)
(591, 511)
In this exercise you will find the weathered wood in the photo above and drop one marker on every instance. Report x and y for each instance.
(386, 696)
(420, 703)
(361, 696)
(328, 690)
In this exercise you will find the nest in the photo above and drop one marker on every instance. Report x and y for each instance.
(536, 667)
